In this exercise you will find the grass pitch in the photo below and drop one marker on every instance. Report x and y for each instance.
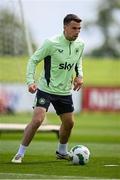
(98, 131)
(97, 72)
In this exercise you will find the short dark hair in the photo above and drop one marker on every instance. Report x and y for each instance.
(71, 17)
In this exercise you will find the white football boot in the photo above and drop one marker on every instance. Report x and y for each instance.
(17, 159)
(61, 156)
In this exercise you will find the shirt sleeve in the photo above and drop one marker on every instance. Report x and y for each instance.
(78, 66)
(37, 57)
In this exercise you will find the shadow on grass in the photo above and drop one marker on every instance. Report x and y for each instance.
(36, 162)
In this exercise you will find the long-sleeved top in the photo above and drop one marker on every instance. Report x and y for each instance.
(61, 59)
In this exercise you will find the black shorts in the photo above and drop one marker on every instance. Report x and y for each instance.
(62, 104)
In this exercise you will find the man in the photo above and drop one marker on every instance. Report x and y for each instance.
(62, 55)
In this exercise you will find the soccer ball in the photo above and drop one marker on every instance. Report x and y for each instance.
(79, 155)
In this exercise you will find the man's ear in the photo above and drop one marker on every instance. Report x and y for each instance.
(65, 26)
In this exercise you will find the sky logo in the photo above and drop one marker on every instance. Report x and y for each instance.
(66, 66)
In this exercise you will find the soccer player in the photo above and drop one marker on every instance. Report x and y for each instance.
(62, 56)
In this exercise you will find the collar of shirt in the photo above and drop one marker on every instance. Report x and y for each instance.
(64, 40)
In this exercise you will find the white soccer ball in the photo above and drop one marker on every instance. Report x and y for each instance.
(79, 155)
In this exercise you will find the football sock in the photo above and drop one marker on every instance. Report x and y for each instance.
(62, 148)
(22, 150)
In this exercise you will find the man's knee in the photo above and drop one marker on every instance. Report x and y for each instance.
(68, 125)
(38, 116)
(67, 120)
(71, 124)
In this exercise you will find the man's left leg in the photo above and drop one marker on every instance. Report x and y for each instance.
(64, 134)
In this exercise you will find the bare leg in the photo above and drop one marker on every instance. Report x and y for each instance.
(66, 127)
(30, 130)
(64, 133)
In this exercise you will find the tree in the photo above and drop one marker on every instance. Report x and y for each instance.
(12, 36)
(107, 22)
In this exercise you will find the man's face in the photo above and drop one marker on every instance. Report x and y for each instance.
(72, 30)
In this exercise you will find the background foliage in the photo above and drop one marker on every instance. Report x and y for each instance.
(12, 34)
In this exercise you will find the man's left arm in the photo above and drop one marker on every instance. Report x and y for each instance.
(78, 81)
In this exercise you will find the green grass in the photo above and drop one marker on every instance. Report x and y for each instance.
(40, 160)
(96, 72)
(103, 72)
(13, 69)
(99, 131)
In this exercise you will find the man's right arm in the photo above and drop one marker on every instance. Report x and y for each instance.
(38, 56)
(32, 88)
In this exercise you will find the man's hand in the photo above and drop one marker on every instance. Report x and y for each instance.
(78, 81)
(32, 88)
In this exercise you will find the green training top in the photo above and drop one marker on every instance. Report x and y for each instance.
(61, 59)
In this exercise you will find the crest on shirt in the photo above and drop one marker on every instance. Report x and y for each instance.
(42, 101)
(60, 50)
(76, 50)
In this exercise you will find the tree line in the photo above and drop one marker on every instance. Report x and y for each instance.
(12, 34)
(13, 41)
(108, 23)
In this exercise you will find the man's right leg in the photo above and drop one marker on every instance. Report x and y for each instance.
(29, 132)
